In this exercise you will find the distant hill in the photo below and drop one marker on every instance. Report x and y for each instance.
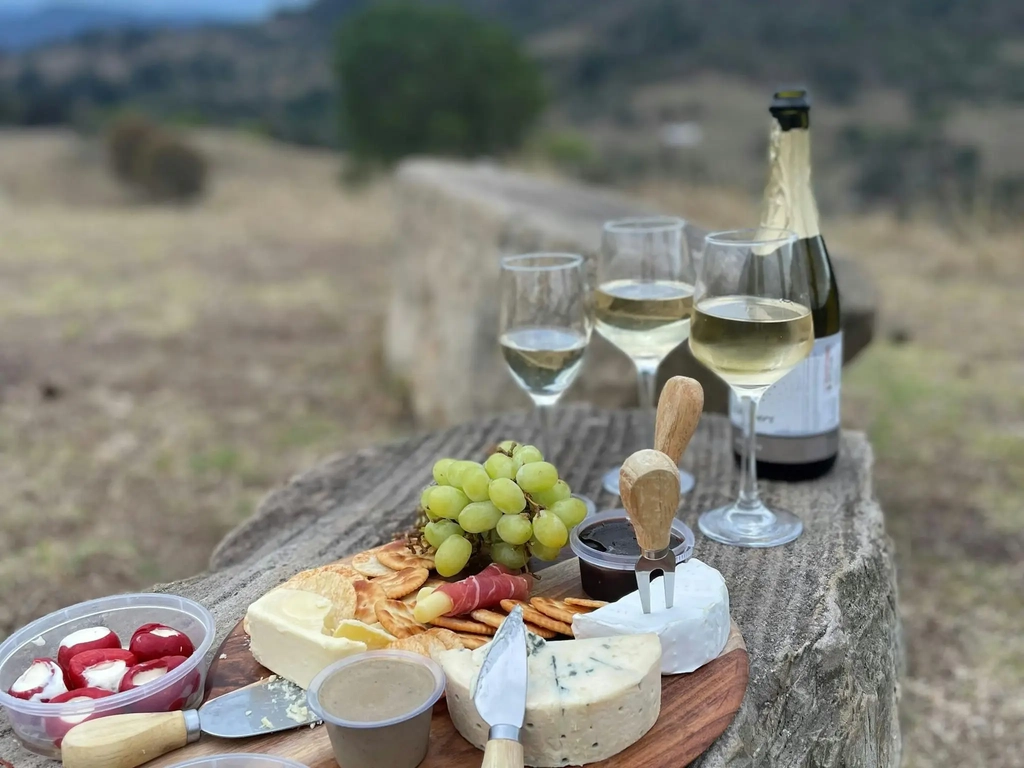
(899, 72)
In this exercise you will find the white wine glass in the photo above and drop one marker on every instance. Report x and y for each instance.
(751, 326)
(544, 326)
(645, 277)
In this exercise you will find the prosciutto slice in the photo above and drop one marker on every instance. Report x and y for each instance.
(488, 588)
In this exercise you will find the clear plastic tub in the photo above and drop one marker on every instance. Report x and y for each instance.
(41, 726)
(239, 761)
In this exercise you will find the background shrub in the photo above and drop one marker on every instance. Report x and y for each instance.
(125, 136)
(422, 79)
(160, 163)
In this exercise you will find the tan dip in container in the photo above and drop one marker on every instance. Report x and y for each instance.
(377, 707)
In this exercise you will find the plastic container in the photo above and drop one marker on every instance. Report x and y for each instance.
(239, 761)
(608, 576)
(590, 505)
(398, 742)
(41, 726)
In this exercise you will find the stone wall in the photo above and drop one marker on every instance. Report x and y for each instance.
(455, 221)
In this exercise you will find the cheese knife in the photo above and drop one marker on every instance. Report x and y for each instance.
(125, 741)
(650, 492)
(499, 693)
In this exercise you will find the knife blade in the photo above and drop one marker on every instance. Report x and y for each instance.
(127, 741)
(499, 693)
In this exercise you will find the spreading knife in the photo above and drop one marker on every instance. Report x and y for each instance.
(126, 741)
(500, 693)
(649, 483)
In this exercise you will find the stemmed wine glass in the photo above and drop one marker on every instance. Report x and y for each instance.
(545, 325)
(751, 326)
(643, 300)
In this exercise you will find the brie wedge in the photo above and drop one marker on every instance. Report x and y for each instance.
(286, 635)
(586, 699)
(692, 632)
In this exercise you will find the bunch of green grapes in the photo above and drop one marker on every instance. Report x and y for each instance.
(511, 507)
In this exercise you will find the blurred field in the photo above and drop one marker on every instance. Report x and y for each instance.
(161, 369)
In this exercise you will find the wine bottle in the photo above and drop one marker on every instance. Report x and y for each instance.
(798, 418)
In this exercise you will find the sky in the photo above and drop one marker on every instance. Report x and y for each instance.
(241, 8)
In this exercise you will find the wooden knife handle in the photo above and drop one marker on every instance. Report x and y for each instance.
(503, 753)
(679, 407)
(123, 741)
(649, 483)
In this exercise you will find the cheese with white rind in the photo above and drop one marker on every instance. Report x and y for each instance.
(586, 699)
(286, 635)
(692, 632)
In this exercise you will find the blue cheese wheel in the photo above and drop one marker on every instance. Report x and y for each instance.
(586, 699)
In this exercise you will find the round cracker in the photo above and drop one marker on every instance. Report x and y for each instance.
(490, 618)
(472, 641)
(327, 583)
(450, 640)
(424, 644)
(533, 616)
(368, 594)
(367, 564)
(403, 582)
(458, 624)
(547, 634)
(396, 617)
(397, 556)
(557, 609)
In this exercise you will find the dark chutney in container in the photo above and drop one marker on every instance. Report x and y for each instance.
(606, 547)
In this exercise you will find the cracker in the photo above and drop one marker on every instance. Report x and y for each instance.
(450, 640)
(368, 594)
(398, 556)
(403, 582)
(345, 569)
(547, 634)
(490, 618)
(585, 602)
(327, 583)
(423, 644)
(367, 564)
(460, 624)
(557, 609)
(396, 617)
(533, 616)
(472, 641)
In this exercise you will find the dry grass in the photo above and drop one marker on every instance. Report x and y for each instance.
(941, 394)
(162, 368)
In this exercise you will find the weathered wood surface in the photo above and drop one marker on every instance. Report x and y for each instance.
(455, 220)
(819, 616)
(695, 708)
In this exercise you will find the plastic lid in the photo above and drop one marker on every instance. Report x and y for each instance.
(239, 760)
(596, 557)
(339, 667)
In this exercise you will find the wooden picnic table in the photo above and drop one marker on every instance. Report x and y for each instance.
(819, 616)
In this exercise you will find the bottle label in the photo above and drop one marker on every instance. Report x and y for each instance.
(806, 400)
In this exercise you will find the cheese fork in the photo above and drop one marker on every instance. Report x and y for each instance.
(650, 492)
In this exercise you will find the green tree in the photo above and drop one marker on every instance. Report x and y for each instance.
(424, 79)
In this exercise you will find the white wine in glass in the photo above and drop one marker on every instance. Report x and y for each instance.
(544, 360)
(751, 326)
(643, 302)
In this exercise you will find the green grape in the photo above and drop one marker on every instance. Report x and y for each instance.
(508, 446)
(446, 501)
(437, 532)
(542, 552)
(425, 496)
(507, 555)
(440, 471)
(550, 531)
(452, 556)
(507, 496)
(454, 473)
(475, 482)
(527, 454)
(515, 529)
(570, 511)
(500, 465)
(556, 493)
(537, 477)
(479, 516)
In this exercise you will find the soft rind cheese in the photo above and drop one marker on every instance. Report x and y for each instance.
(286, 635)
(586, 700)
(692, 632)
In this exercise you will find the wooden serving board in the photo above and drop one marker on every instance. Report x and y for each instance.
(695, 708)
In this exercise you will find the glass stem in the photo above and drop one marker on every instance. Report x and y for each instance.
(749, 499)
(647, 381)
(547, 430)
